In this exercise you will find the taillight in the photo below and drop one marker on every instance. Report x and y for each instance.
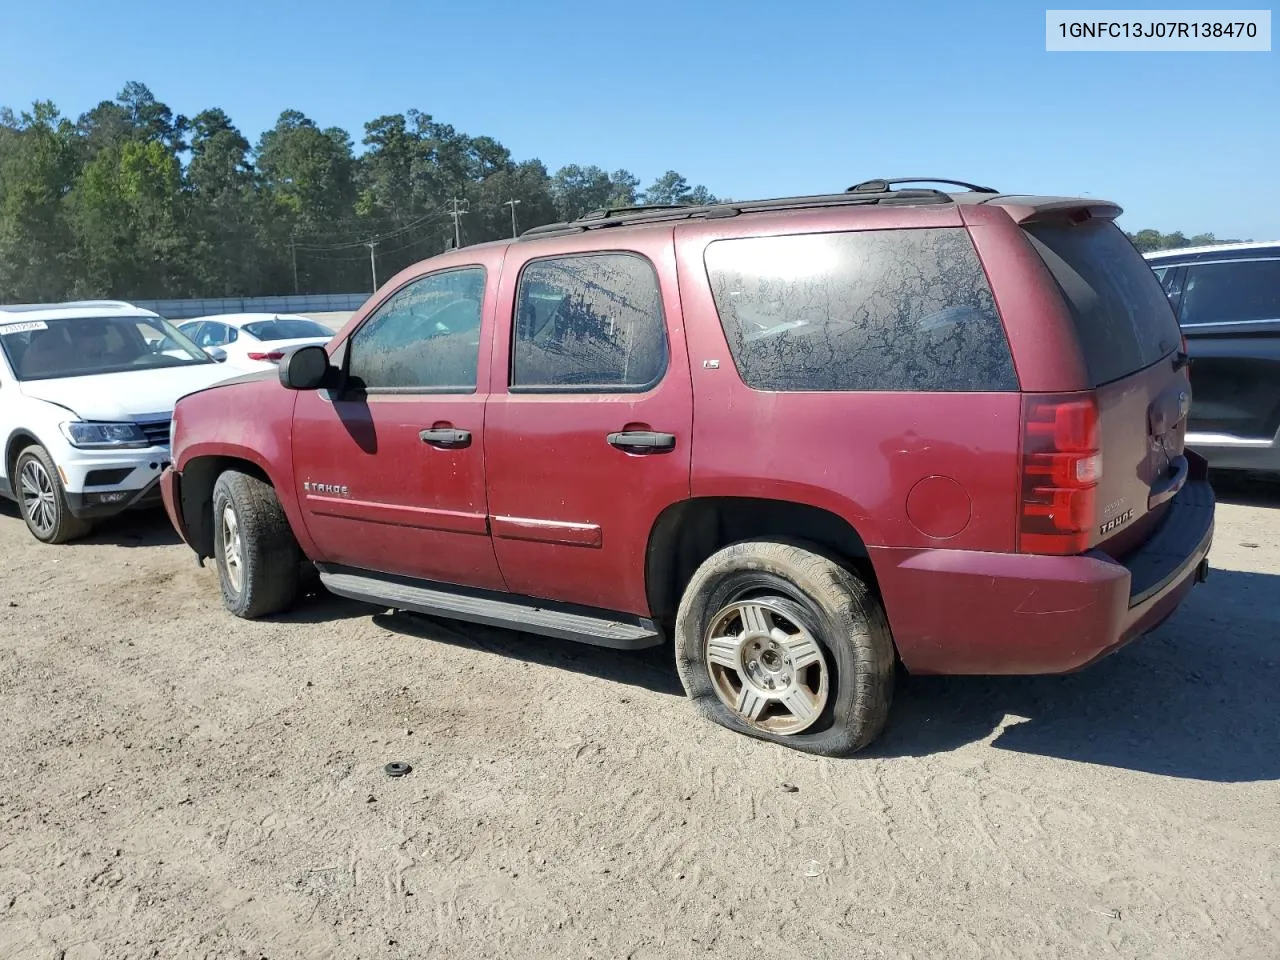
(274, 356)
(1061, 467)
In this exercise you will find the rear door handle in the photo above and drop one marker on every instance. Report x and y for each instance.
(643, 441)
(446, 437)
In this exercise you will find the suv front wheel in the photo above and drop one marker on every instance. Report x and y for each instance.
(253, 547)
(43, 500)
(779, 642)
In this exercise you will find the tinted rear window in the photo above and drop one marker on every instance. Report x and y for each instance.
(900, 310)
(1231, 291)
(286, 329)
(1122, 315)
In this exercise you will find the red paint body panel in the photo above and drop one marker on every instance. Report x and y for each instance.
(969, 612)
(411, 509)
(1037, 323)
(263, 437)
(549, 461)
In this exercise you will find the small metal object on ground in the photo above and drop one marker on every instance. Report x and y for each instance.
(397, 769)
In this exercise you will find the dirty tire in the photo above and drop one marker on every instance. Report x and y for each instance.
(261, 547)
(845, 619)
(51, 521)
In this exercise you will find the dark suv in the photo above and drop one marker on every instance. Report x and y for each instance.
(800, 439)
(1227, 297)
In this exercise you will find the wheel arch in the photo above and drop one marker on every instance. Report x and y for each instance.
(688, 532)
(19, 439)
(199, 475)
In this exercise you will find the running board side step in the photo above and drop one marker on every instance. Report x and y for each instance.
(580, 624)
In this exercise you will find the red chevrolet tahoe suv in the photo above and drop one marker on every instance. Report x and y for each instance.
(801, 439)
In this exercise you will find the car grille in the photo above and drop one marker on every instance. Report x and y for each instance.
(156, 432)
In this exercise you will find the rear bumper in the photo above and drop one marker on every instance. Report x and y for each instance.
(965, 612)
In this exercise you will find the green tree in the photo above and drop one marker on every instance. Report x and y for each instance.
(224, 236)
(130, 223)
(38, 165)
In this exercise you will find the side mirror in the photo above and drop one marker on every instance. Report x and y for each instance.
(306, 368)
(219, 355)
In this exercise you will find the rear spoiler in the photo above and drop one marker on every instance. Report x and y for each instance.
(1076, 209)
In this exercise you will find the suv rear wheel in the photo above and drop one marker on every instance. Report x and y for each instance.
(254, 549)
(43, 500)
(779, 642)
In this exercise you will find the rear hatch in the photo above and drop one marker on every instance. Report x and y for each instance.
(1131, 344)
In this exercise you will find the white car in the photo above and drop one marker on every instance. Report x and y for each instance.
(255, 341)
(87, 392)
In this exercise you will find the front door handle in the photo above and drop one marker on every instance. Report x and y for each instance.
(447, 438)
(643, 441)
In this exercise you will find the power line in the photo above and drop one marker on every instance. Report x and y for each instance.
(347, 245)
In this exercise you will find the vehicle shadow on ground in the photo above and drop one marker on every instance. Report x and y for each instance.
(137, 528)
(317, 605)
(1245, 490)
(650, 669)
(1196, 699)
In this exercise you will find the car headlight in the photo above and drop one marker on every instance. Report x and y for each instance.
(93, 435)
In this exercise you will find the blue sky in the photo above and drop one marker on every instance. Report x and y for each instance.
(750, 98)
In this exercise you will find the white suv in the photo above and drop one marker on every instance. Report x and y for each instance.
(86, 396)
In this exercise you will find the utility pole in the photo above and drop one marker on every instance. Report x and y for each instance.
(373, 264)
(459, 208)
(512, 204)
(293, 251)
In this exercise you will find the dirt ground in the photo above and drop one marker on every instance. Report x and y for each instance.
(175, 783)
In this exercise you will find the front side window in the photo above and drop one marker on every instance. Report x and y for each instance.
(426, 337)
(216, 335)
(589, 323)
(1231, 292)
(876, 310)
(86, 346)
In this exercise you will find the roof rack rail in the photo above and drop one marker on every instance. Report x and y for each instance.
(880, 186)
(61, 304)
(605, 212)
(96, 303)
(598, 220)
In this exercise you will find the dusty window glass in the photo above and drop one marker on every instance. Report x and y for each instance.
(590, 322)
(1122, 314)
(906, 310)
(426, 337)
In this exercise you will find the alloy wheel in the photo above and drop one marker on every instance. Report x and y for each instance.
(232, 551)
(39, 498)
(765, 664)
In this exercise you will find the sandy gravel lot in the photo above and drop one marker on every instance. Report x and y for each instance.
(175, 783)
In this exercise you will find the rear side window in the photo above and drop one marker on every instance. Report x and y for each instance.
(589, 323)
(875, 310)
(1231, 292)
(1122, 315)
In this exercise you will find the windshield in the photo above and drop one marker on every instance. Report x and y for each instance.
(84, 346)
(286, 329)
